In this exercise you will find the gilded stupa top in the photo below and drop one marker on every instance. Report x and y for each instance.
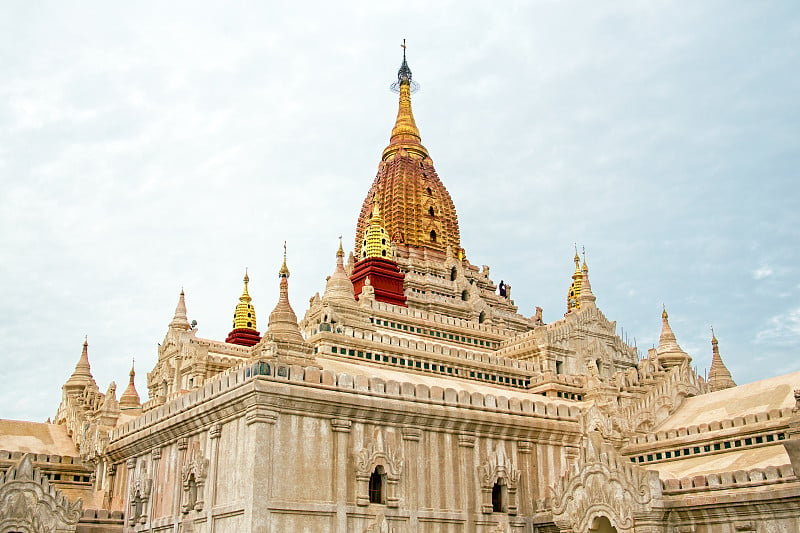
(244, 317)
(416, 208)
(376, 241)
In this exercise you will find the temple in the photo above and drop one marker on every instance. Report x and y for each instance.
(412, 396)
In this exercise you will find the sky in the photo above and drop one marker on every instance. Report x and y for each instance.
(152, 146)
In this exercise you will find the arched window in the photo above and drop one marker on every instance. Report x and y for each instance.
(433, 236)
(465, 295)
(429, 190)
(430, 211)
(499, 496)
(453, 274)
(482, 317)
(376, 485)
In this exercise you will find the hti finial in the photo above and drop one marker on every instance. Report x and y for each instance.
(284, 273)
(404, 75)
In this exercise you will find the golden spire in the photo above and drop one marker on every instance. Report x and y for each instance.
(574, 294)
(244, 317)
(376, 241)
(405, 133)
(340, 251)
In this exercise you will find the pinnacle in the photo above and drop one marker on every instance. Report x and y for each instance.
(180, 320)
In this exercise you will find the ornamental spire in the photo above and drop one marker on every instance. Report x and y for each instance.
(130, 398)
(587, 297)
(405, 133)
(283, 321)
(338, 286)
(669, 352)
(376, 241)
(82, 375)
(180, 321)
(244, 319)
(284, 271)
(574, 293)
(719, 377)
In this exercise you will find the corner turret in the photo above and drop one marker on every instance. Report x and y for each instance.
(129, 401)
(669, 353)
(283, 340)
(719, 377)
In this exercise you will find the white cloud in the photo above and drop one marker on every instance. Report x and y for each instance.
(762, 272)
(783, 329)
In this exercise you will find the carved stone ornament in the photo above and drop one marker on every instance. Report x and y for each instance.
(29, 503)
(193, 477)
(380, 525)
(498, 468)
(602, 483)
(377, 452)
(139, 495)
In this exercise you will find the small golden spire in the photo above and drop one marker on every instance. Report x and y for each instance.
(340, 251)
(584, 265)
(664, 315)
(244, 316)
(284, 272)
(574, 293)
(376, 241)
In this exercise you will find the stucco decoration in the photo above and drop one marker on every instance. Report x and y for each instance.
(377, 452)
(497, 467)
(602, 483)
(30, 504)
(139, 495)
(193, 477)
(380, 525)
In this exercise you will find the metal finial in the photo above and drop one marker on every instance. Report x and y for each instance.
(404, 75)
(284, 272)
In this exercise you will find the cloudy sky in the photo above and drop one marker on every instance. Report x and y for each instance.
(146, 147)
